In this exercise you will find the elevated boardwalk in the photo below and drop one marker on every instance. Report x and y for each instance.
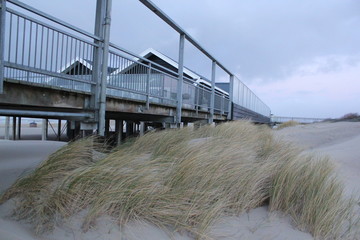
(303, 120)
(50, 69)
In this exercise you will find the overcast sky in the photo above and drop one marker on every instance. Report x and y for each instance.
(302, 58)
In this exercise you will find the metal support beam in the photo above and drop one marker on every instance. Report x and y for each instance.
(40, 114)
(105, 56)
(180, 80)
(2, 42)
(96, 70)
(231, 97)
(212, 101)
(101, 53)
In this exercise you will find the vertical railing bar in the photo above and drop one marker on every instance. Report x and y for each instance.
(62, 52)
(148, 87)
(41, 46)
(57, 52)
(83, 57)
(10, 34)
(30, 42)
(52, 50)
(231, 97)
(75, 57)
(23, 46)
(2, 48)
(17, 39)
(47, 48)
(212, 101)
(36, 43)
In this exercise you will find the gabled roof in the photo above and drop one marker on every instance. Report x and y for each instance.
(88, 64)
(150, 51)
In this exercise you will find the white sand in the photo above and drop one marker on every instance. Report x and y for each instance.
(340, 141)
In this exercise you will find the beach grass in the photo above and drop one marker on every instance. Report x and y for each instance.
(187, 179)
(290, 123)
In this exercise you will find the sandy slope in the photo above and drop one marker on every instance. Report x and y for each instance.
(340, 141)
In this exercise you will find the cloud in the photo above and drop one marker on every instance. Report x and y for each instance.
(313, 91)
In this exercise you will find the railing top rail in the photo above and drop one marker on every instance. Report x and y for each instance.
(180, 30)
(53, 19)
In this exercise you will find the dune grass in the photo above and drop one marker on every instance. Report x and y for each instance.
(186, 179)
(290, 123)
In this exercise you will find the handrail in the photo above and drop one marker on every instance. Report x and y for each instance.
(53, 19)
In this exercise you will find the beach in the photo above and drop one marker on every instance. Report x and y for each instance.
(339, 141)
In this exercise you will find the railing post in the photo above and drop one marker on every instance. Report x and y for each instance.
(180, 81)
(2, 42)
(105, 56)
(148, 87)
(231, 96)
(212, 101)
(102, 29)
(96, 70)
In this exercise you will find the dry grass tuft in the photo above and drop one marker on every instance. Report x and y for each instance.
(290, 123)
(187, 179)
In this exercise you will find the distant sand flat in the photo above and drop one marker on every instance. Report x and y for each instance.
(340, 141)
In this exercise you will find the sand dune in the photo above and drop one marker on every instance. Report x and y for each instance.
(338, 140)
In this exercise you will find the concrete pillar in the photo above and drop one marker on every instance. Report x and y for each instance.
(14, 129)
(7, 128)
(119, 127)
(107, 127)
(142, 129)
(18, 131)
(44, 130)
(59, 130)
(129, 129)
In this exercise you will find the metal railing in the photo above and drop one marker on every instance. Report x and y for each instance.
(243, 96)
(277, 119)
(38, 52)
(55, 54)
(41, 49)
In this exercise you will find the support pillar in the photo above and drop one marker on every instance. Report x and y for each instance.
(14, 129)
(105, 55)
(107, 127)
(7, 128)
(119, 128)
(129, 129)
(44, 128)
(59, 130)
(18, 130)
(142, 128)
